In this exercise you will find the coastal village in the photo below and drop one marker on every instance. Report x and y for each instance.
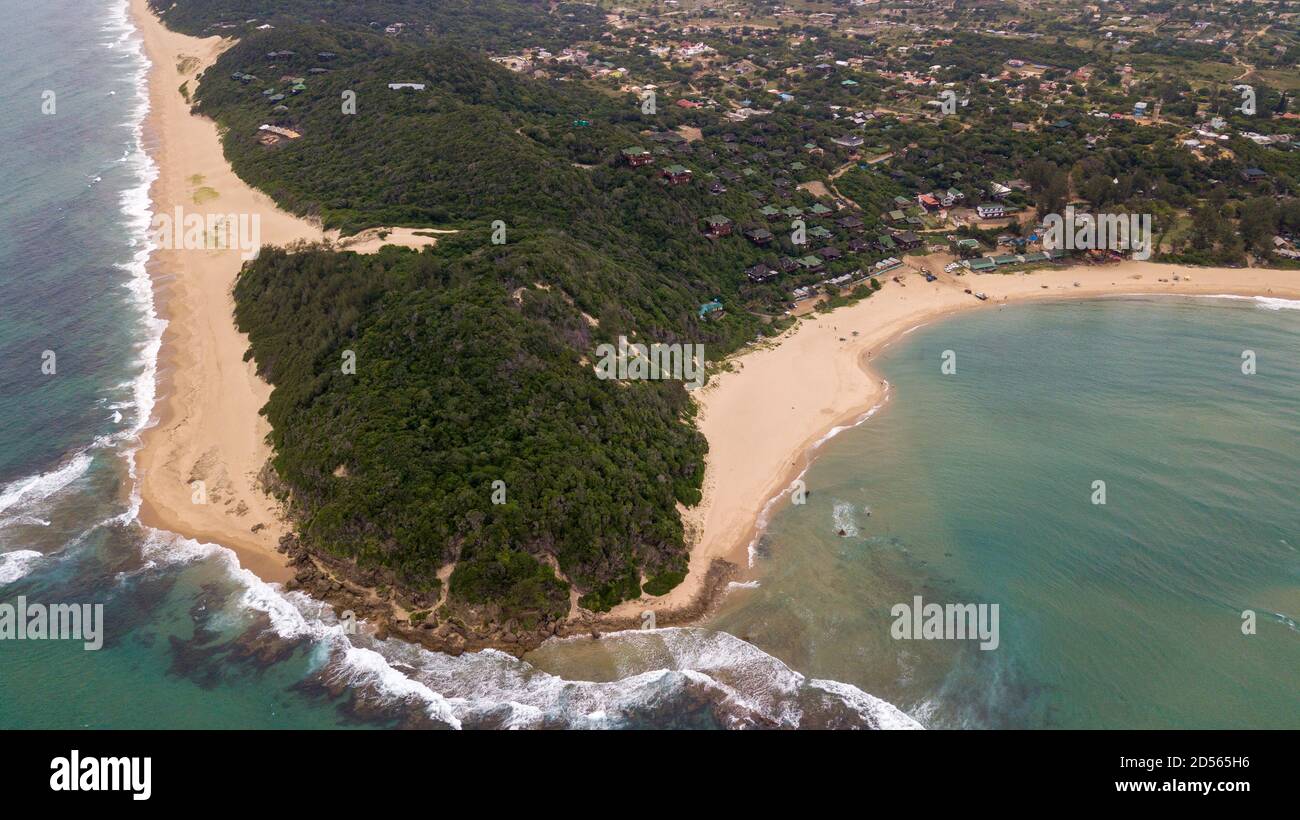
(807, 141)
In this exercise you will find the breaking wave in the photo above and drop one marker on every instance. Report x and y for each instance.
(40, 487)
(1264, 302)
(844, 520)
(684, 677)
(16, 564)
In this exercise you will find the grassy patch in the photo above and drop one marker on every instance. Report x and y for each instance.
(662, 583)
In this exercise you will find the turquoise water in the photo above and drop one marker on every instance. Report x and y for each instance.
(977, 487)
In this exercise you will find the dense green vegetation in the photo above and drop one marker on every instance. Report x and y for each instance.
(474, 23)
(448, 155)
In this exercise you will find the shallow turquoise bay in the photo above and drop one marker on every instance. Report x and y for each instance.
(979, 489)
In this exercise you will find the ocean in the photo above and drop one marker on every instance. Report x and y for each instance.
(191, 639)
(977, 486)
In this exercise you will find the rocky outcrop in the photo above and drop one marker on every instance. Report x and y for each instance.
(374, 596)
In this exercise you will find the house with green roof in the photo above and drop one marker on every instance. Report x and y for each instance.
(677, 174)
(719, 226)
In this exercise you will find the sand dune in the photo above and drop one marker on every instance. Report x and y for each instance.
(372, 240)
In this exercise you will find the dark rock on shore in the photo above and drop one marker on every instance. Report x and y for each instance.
(453, 630)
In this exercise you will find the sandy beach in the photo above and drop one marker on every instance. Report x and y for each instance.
(208, 426)
(763, 419)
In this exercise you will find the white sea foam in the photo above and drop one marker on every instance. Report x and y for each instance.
(882, 713)
(294, 615)
(137, 210)
(1263, 302)
(16, 564)
(753, 684)
(362, 666)
(1287, 621)
(862, 419)
(746, 686)
(925, 711)
(40, 487)
(764, 516)
(843, 519)
(23, 520)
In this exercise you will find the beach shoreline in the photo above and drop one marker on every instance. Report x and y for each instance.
(764, 420)
(767, 418)
(208, 427)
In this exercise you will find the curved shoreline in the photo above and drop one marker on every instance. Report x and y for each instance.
(781, 444)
